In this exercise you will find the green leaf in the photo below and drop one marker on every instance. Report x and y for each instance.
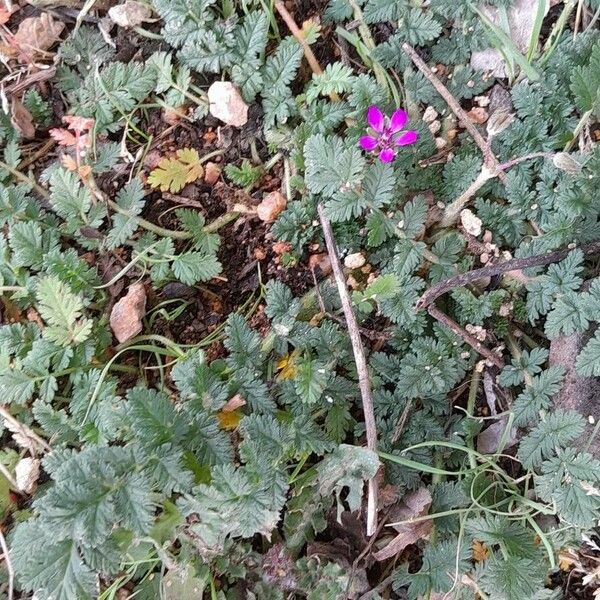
(588, 361)
(311, 379)
(278, 72)
(53, 570)
(337, 78)
(512, 537)
(153, 418)
(233, 504)
(512, 577)
(557, 431)
(62, 310)
(331, 166)
(68, 197)
(347, 467)
(130, 198)
(537, 396)
(585, 83)
(16, 386)
(192, 267)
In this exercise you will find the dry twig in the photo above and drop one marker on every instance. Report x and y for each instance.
(295, 31)
(490, 160)
(9, 567)
(360, 360)
(16, 425)
(445, 320)
(515, 264)
(491, 167)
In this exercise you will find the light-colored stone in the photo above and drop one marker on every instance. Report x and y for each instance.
(430, 115)
(226, 104)
(212, 172)
(270, 207)
(127, 314)
(130, 14)
(355, 261)
(470, 222)
(435, 127)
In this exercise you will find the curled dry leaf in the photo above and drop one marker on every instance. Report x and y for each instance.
(130, 14)
(38, 34)
(270, 207)
(27, 473)
(413, 505)
(21, 119)
(227, 104)
(127, 314)
(233, 403)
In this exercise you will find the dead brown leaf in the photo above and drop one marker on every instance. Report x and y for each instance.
(413, 505)
(21, 119)
(38, 34)
(233, 403)
(480, 551)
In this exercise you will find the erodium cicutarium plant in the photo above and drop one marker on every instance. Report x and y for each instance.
(386, 133)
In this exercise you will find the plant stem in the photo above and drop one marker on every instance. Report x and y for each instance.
(472, 341)
(212, 227)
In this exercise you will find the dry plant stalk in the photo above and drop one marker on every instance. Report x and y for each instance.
(360, 360)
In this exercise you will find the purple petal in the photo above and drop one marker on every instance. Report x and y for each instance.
(376, 119)
(387, 155)
(398, 120)
(367, 143)
(407, 138)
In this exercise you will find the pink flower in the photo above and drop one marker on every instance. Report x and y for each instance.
(385, 133)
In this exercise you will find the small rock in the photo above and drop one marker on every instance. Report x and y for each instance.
(440, 143)
(130, 14)
(355, 261)
(320, 261)
(226, 104)
(430, 115)
(126, 315)
(478, 115)
(434, 127)
(270, 207)
(470, 222)
(212, 172)
(27, 473)
(484, 257)
(482, 100)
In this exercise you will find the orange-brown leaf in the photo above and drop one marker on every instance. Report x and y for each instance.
(63, 136)
(480, 551)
